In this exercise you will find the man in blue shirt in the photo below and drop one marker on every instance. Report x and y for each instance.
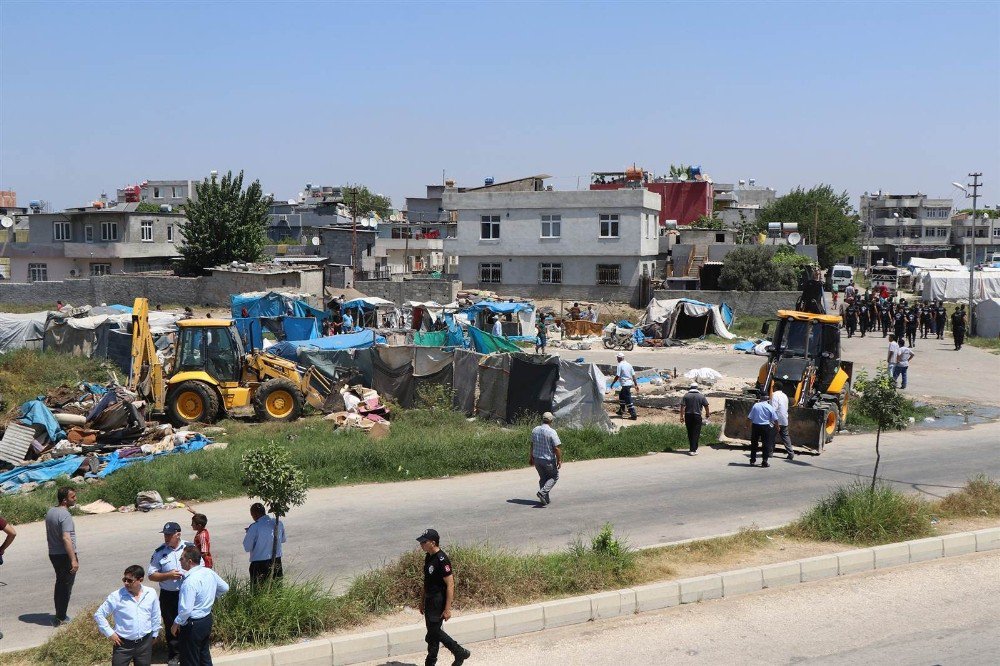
(763, 418)
(165, 569)
(193, 626)
(135, 610)
(259, 540)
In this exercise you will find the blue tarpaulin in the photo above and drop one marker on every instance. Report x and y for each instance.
(34, 412)
(746, 345)
(251, 332)
(300, 328)
(361, 339)
(40, 472)
(124, 309)
(272, 304)
(115, 463)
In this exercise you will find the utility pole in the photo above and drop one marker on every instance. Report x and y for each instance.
(974, 186)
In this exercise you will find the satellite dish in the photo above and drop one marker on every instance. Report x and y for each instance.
(292, 202)
(794, 238)
(6, 222)
(683, 177)
(315, 240)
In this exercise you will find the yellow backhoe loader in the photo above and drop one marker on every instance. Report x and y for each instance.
(211, 374)
(804, 360)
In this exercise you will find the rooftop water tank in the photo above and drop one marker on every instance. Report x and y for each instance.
(166, 208)
(489, 180)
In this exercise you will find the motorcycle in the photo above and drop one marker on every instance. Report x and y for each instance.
(616, 337)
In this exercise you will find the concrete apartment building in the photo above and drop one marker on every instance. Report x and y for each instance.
(535, 242)
(160, 192)
(737, 203)
(82, 242)
(898, 227)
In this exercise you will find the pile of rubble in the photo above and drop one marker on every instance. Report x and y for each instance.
(87, 431)
(363, 410)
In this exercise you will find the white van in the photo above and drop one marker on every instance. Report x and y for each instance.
(841, 276)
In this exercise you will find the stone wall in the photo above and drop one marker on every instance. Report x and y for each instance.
(743, 303)
(567, 292)
(400, 291)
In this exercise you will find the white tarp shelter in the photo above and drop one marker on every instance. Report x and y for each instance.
(954, 285)
(423, 315)
(683, 318)
(22, 330)
(988, 318)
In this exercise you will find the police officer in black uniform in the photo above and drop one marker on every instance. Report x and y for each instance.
(435, 604)
(926, 320)
(863, 316)
(885, 311)
(851, 317)
(899, 320)
(911, 326)
(958, 326)
(940, 318)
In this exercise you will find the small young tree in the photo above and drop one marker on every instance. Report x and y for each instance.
(879, 400)
(361, 202)
(269, 475)
(751, 268)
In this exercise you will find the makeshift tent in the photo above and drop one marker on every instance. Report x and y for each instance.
(300, 328)
(954, 285)
(682, 318)
(290, 348)
(82, 336)
(251, 332)
(22, 330)
(579, 396)
(372, 312)
(423, 316)
(494, 378)
(482, 312)
(487, 343)
(272, 304)
(532, 384)
(988, 318)
(465, 375)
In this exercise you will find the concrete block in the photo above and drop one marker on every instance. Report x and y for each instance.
(922, 550)
(988, 539)
(891, 555)
(563, 612)
(255, 658)
(958, 544)
(628, 602)
(742, 581)
(701, 588)
(311, 653)
(472, 628)
(407, 640)
(855, 561)
(818, 568)
(360, 647)
(657, 596)
(520, 620)
(605, 604)
(779, 575)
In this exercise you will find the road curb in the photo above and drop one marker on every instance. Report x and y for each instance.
(357, 648)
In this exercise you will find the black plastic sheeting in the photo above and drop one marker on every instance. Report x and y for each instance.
(531, 386)
(465, 375)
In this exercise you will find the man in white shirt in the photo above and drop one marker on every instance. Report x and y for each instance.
(259, 542)
(135, 610)
(903, 357)
(193, 625)
(891, 358)
(780, 403)
(591, 314)
(497, 327)
(625, 374)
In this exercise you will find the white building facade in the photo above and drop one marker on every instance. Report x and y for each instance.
(587, 244)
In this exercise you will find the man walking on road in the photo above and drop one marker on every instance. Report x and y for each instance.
(435, 603)
(165, 569)
(265, 561)
(546, 456)
(903, 357)
(137, 620)
(762, 419)
(625, 374)
(958, 326)
(692, 404)
(60, 532)
(193, 624)
(779, 401)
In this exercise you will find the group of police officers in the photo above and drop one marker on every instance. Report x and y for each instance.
(871, 311)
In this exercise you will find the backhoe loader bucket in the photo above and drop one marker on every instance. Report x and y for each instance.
(809, 428)
(319, 391)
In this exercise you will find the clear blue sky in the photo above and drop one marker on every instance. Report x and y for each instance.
(899, 96)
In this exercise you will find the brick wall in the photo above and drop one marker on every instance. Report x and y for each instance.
(745, 303)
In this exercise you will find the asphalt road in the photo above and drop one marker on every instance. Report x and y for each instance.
(942, 612)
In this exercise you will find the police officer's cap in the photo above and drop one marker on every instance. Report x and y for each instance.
(170, 528)
(429, 534)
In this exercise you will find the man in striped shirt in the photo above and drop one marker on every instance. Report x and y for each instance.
(546, 456)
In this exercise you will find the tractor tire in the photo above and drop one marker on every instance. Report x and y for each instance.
(277, 399)
(192, 402)
(831, 420)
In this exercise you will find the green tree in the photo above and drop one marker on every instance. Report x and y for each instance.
(752, 268)
(225, 223)
(708, 222)
(146, 207)
(268, 474)
(837, 227)
(362, 202)
(878, 399)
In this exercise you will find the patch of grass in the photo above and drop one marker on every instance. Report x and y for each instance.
(78, 643)
(28, 373)
(747, 327)
(423, 443)
(858, 422)
(854, 514)
(980, 497)
(991, 345)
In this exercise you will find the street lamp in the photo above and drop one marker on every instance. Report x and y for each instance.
(974, 195)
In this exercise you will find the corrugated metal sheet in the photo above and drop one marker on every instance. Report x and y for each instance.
(15, 443)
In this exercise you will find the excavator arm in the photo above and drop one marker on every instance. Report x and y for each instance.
(146, 374)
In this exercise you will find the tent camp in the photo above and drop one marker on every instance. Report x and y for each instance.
(682, 318)
(372, 312)
(954, 285)
(988, 318)
(423, 316)
(272, 304)
(359, 340)
(480, 315)
(22, 330)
